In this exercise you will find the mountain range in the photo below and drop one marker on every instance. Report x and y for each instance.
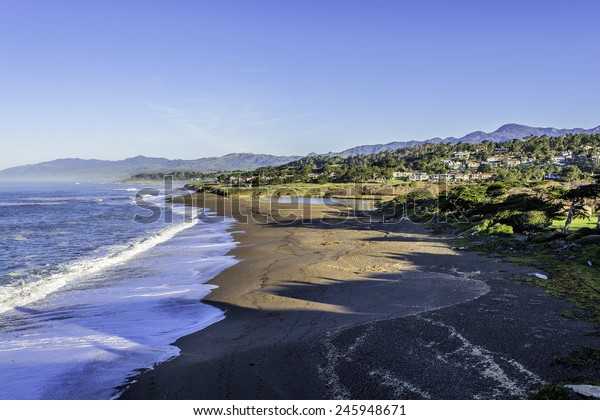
(74, 169)
(504, 133)
(106, 170)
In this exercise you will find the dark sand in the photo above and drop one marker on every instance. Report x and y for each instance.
(324, 305)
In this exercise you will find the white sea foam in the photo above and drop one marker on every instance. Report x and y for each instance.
(113, 304)
(33, 203)
(111, 316)
(15, 295)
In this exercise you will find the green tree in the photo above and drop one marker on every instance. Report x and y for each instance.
(571, 173)
(575, 198)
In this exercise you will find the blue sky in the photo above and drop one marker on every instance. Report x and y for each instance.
(186, 79)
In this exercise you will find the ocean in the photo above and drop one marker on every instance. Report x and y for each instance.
(95, 285)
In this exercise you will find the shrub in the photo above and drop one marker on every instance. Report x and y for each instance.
(580, 233)
(589, 240)
(527, 221)
(584, 231)
(572, 237)
(488, 227)
(500, 230)
(484, 226)
(534, 220)
(497, 189)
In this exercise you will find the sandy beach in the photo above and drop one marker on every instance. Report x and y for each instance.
(325, 304)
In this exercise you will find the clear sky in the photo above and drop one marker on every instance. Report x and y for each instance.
(111, 79)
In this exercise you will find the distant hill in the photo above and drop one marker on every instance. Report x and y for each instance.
(108, 170)
(504, 133)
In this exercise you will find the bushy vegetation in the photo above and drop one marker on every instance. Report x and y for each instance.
(515, 200)
(428, 158)
(490, 228)
(538, 152)
(526, 210)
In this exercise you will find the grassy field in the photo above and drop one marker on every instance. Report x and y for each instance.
(577, 223)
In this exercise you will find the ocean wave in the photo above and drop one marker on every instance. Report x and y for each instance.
(111, 324)
(20, 294)
(41, 203)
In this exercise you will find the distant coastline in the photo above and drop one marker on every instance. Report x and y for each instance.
(95, 170)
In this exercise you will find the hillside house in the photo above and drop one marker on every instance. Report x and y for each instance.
(481, 176)
(513, 162)
(454, 165)
(461, 155)
(441, 177)
(568, 154)
(494, 161)
(402, 175)
(558, 160)
(419, 176)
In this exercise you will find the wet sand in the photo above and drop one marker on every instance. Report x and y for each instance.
(326, 304)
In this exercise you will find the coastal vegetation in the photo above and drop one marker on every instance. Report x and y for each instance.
(494, 188)
(548, 225)
(531, 201)
(569, 158)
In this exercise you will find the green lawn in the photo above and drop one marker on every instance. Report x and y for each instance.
(577, 223)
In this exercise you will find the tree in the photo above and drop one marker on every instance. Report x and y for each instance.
(571, 173)
(463, 200)
(524, 212)
(576, 198)
(222, 178)
(485, 167)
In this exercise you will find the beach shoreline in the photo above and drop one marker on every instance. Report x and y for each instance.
(324, 304)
